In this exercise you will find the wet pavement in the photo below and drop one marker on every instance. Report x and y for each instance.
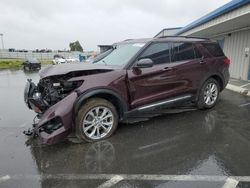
(183, 149)
(241, 83)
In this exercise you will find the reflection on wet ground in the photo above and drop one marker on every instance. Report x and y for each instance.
(213, 142)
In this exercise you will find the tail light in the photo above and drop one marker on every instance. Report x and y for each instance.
(227, 61)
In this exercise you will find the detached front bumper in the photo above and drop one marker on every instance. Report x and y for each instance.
(56, 123)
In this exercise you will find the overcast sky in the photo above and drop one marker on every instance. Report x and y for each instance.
(52, 24)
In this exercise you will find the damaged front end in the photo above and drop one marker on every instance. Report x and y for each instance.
(52, 99)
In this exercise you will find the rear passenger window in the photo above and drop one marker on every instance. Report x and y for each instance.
(214, 49)
(158, 52)
(182, 52)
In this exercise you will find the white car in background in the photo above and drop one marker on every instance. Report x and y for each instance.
(72, 60)
(59, 60)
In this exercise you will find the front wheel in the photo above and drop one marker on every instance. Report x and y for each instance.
(209, 94)
(26, 67)
(96, 120)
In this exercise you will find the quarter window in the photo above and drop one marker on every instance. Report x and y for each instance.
(214, 49)
(158, 52)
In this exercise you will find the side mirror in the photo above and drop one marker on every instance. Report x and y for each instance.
(144, 63)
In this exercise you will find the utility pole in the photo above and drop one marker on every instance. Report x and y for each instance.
(1, 34)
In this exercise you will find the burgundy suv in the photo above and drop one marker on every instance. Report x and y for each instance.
(135, 76)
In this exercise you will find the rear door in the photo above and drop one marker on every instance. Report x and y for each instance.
(190, 66)
(148, 85)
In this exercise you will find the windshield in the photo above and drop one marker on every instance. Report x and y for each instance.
(121, 54)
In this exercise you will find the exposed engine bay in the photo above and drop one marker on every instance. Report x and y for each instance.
(51, 90)
(48, 92)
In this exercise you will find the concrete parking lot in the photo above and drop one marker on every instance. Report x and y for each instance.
(181, 148)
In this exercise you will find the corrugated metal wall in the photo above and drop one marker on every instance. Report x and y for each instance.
(235, 48)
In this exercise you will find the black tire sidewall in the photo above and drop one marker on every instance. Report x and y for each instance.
(201, 103)
(85, 108)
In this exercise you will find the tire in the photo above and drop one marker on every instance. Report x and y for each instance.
(208, 94)
(26, 68)
(95, 118)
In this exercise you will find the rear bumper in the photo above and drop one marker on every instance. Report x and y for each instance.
(50, 132)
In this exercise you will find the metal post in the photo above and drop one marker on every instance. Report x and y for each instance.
(1, 34)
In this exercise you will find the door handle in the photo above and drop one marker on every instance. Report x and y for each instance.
(168, 68)
(202, 61)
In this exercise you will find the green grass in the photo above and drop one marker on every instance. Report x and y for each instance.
(10, 63)
(17, 63)
(46, 62)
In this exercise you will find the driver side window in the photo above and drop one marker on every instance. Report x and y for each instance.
(159, 53)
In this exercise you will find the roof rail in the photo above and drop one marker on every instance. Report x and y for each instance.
(167, 29)
(183, 37)
(127, 40)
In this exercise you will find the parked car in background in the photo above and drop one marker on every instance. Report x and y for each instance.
(12, 49)
(72, 60)
(23, 50)
(58, 60)
(31, 64)
(135, 76)
(57, 56)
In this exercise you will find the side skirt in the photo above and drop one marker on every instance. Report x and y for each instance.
(169, 103)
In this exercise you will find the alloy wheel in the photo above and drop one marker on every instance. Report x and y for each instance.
(98, 122)
(210, 94)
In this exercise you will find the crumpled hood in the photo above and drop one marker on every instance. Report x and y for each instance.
(62, 69)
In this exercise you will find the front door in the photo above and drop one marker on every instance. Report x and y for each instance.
(148, 85)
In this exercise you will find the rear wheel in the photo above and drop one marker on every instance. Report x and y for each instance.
(209, 94)
(96, 120)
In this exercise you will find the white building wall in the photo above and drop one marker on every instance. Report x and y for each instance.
(235, 48)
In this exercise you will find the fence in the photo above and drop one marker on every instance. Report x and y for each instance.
(5, 54)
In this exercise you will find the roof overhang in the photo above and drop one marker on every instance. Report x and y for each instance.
(236, 19)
